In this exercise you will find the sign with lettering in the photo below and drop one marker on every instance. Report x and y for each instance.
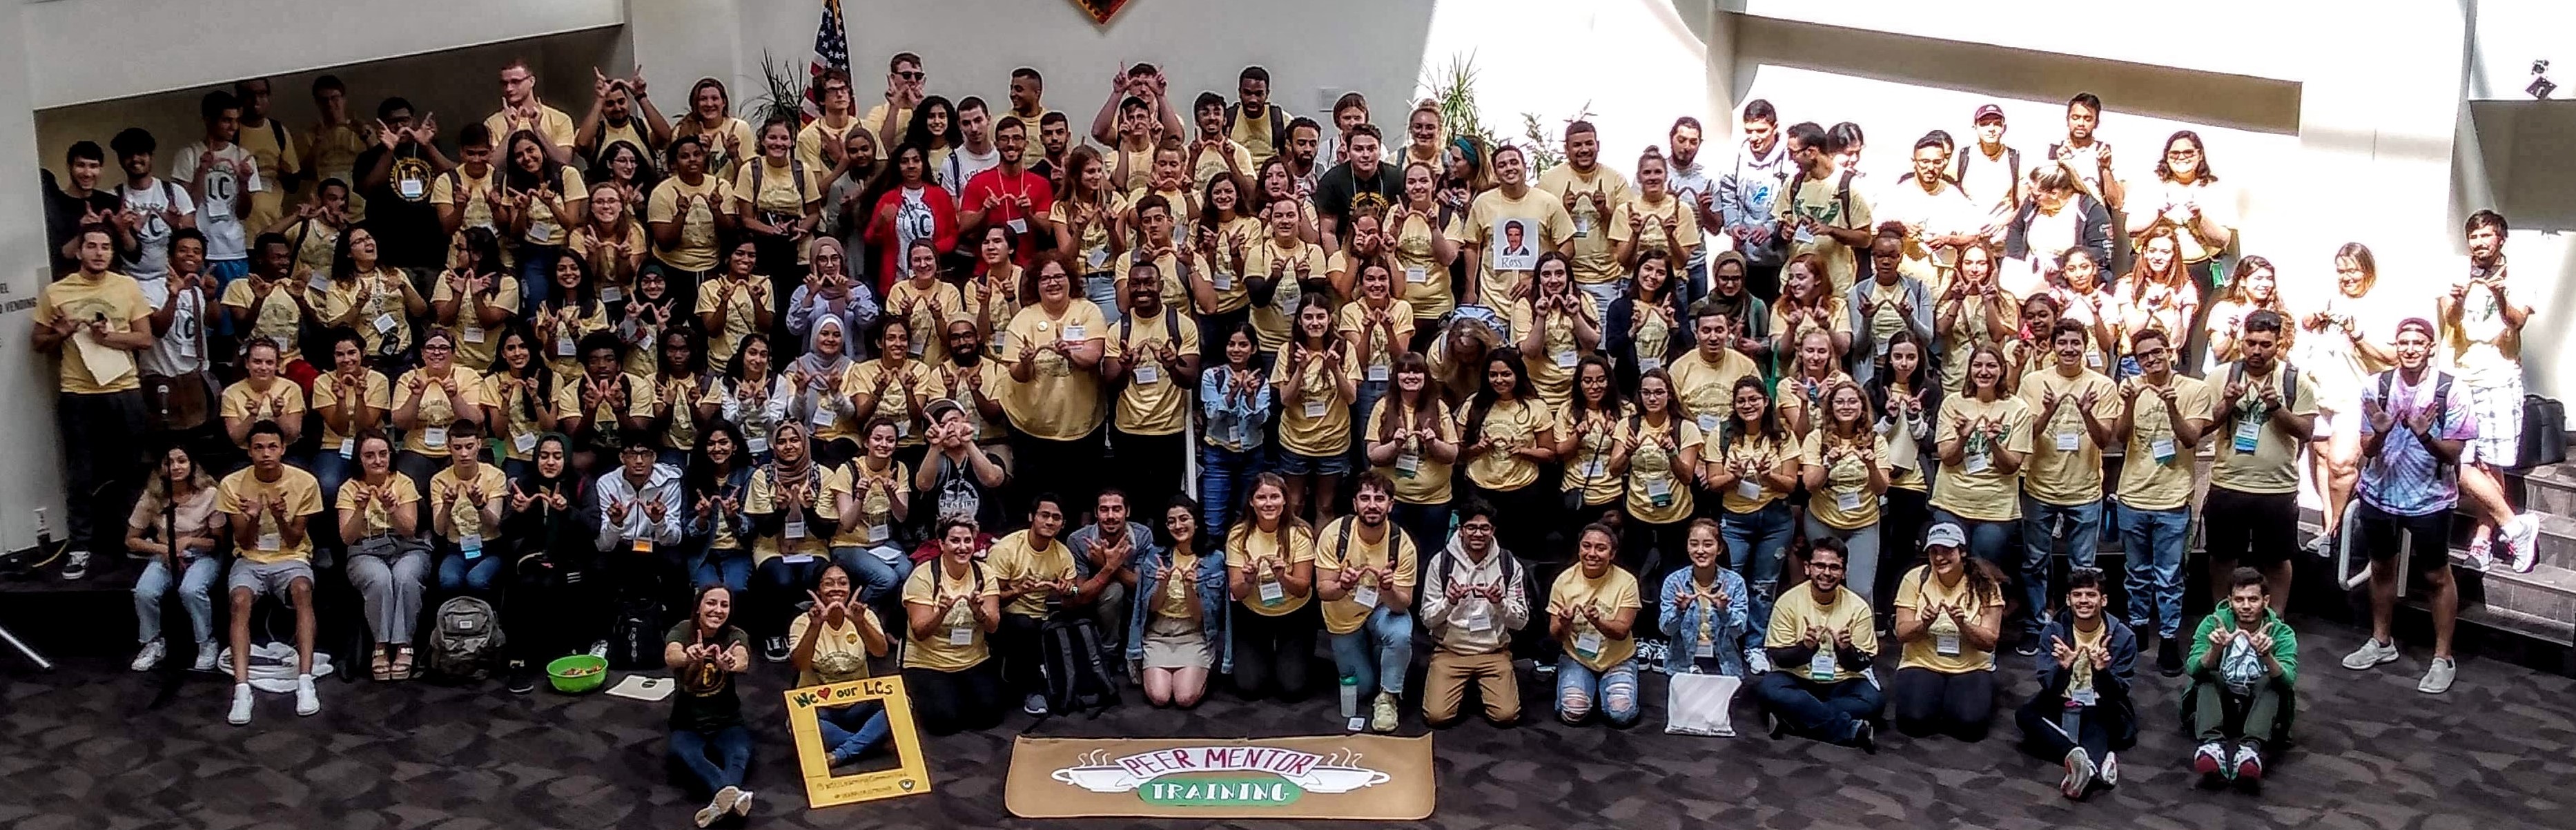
(866, 773)
(1340, 777)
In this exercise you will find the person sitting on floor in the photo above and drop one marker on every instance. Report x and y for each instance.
(1177, 626)
(1590, 610)
(708, 736)
(1949, 613)
(2083, 713)
(1474, 595)
(1704, 613)
(266, 506)
(834, 639)
(2244, 673)
(951, 606)
(1820, 644)
(183, 491)
(379, 517)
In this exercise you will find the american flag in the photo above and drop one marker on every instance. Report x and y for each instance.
(831, 51)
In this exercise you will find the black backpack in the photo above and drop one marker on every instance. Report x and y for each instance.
(2441, 399)
(1076, 680)
(635, 638)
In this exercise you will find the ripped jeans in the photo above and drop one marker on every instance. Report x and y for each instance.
(1579, 689)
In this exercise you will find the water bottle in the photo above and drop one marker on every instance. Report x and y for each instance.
(1350, 696)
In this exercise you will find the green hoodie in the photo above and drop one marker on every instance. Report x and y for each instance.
(2285, 644)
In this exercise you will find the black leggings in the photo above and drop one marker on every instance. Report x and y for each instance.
(1900, 530)
(1931, 703)
(1272, 655)
(1069, 469)
(945, 703)
(1018, 643)
(1649, 552)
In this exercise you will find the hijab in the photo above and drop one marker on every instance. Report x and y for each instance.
(783, 473)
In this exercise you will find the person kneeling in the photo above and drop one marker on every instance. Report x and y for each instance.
(1364, 574)
(2083, 713)
(1820, 642)
(704, 652)
(1590, 610)
(267, 506)
(951, 604)
(1473, 598)
(1949, 613)
(2244, 672)
(834, 639)
(1178, 623)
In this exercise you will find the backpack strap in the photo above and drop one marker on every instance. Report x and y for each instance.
(2012, 157)
(1842, 195)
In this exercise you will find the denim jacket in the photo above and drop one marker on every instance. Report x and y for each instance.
(1681, 624)
(701, 531)
(2113, 684)
(1214, 606)
(1231, 425)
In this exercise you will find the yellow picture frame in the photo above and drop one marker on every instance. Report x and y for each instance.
(823, 789)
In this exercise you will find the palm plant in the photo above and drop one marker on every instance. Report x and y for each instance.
(782, 95)
(1453, 88)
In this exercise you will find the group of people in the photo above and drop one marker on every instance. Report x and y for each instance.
(1227, 385)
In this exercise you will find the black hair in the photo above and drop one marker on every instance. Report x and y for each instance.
(1761, 110)
(264, 426)
(603, 339)
(2089, 100)
(2244, 576)
(2480, 219)
(2263, 319)
(84, 150)
(474, 135)
(1206, 100)
(133, 141)
(214, 103)
(1474, 507)
(1253, 73)
(1808, 134)
(2079, 578)
(385, 109)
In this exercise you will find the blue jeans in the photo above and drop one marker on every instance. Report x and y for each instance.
(1362, 404)
(2153, 542)
(850, 730)
(536, 274)
(1603, 294)
(1102, 290)
(330, 471)
(196, 593)
(878, 579)
(1579, 690)
(1223, 474)
(1832, 711)
(729, 568)
(474, 576)
(732, 747)
(1379, 652)
(2039, 537)
(1755, 543)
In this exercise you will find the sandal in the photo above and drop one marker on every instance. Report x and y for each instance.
(402, 663)
(382, 669)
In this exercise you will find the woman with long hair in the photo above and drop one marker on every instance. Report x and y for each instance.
(848, 196)
(925, 302)
(1658, 449)
(610, 241)
(708, 737)
(794, 505)
(1088, 224)
(1318, 383)
(1644, 329)
(547, 200)
(1652, 223)
(1807, 303)
(1377, 326)
(1234, 403)
(1270, 573)
(1907, 399)
(683, 398)
(1814, 372)
(777, 202)
(737, 303)
(1177, 631)
(1753, 465)
(1984, 434)
(1417, 228)
(1704, 608)
(569, 313)
(1972, 311)
(833, 641)
(2349, 338)
(1054, 399)
(935, 129)
(372, 298)
(427, 400)
(2187, 202)
(1728, 295)
(1510, 433)
(896, 387)
(992, 295)
(911, 210)
(1412, 440)
(518, 398)
(630, 169)
(1274, 183)
(1950, 614)
(873, 509)
(379, 522)
(756, 396)
(558, 604)
(2082, 295)
(1555, 327)
(2254, 286)
(1843, 463)
(1587, 439)
(186, 550)
(1225, 232)
(727, 141)
(1458, 356)
(351, 399)
(2158, 292)
(475, 297)
(1592, 613)
(718, 478)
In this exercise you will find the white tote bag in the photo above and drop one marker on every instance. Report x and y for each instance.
(1701, 704)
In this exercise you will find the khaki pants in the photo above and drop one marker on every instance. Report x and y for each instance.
(1444, 688)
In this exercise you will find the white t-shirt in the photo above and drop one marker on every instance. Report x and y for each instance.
(1687, 184)
(963, 164)
(152, 235)
(181, 349)
(912, 220)
(220, 216)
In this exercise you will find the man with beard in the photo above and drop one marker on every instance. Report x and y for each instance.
(2483, 326)
(1104, 565)
(77, 204)
(1364, 573)
(2265, 414)
(1690, 183)
(1821, 639)
(1590, 192)
(1153, 360)
(1010, 194)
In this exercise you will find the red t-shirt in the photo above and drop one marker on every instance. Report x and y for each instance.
(1006, 188)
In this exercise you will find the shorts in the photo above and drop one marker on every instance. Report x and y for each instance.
(1175, 643)
(2334, 423)
(270, 579)
(2427, 543)
(2256, 530)
(2497, 410)
(1292, 463)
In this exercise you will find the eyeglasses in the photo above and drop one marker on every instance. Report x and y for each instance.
(2181, 154)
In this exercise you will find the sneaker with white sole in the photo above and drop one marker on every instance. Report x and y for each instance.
(2323, 546)
(2438, 676)
(1756, 662)
(2079, 774)
(240, 713)
(2249, 764)
(742, 803)
(2211, 762)
(208, 654)
(307, 703)
(2371, 653)
(1382, 716)
(1036, 704)
(2521, 541)
(75, 565)
(2109, 774)
(718, 806)
(599, 649)
(151, 655)
(2481, 553)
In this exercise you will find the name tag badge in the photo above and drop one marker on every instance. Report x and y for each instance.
(1097, 258)
(1566, 360)
(1000, 337)
(348, 447)
(1146, 373)
(1272, 593)
(757, 443)
(795, 529)
(564, 346)
(1595, 467)
(471, 545)
(523, 442)
(1945, 644)
(1582, 225)
(411, 188)
(2248, 434)
(611, 294)
(1377, 373)
(1018, 226)
(1479, 620)
(2084, 696)
(1407, 465)
(2066, 442)
(1417, 276)
(919, 346)
(1587, 645)
(318, 283)
(1847, 501)
(880, 533)
(1076, 331)
(1659, 490)
(640, 544)
(433, 437)
(384, 322)
(1977, 462)
(2093, 359)
(1365, 595)
(963, 635)
(1224, 281)
(271, 543)
(903, 429)
(1649, 363)
(824, 416)
(797, 558)
(1707, 423)
(1748, 489)
(1821, 668)
(473, 334)
(1706, 648)
(1314, 409)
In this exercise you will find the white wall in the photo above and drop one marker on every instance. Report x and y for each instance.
(1630, 66)
(91, 50)
(2507, 35)
(32, 455)
(2262, 38)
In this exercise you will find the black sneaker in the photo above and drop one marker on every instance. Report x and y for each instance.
(2169, 657)
(2029, 644)
(1863, 736)
(520, 678)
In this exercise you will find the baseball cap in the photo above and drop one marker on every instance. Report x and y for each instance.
(1945, 534)
(940, 407)
(1987, 111)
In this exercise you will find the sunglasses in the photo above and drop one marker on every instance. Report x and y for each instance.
(912, 76)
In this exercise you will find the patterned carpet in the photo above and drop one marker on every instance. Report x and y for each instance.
(86, 753)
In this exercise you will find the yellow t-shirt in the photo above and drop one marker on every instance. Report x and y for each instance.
(946, 650)
(738, 315)
(1594, 260)
(1707, 388)
(437, 409)
(928, 308)
(1763, 455)
(1966, 331)
(476, 344)
(1418, 479)
(1422, 280)
(1232, 292)
(1092, 243)
(776, 187)
(2271, 465)
(1016, 558)
(379, 300)
(1270, 323)
(1552, 373)
(588, 241)
(1510, 425)
(1210, 164)
(992, 381)
(566, 324)
(1845, 503)
(1179, 599)
(1059, 402)
(378, 395)
(2156, 471)
(1798, 610)
(875, 526)
(1977, 488)
(464, 192)
(283, 400)
(1344, 544)
(1349, 325)
(895, 404)
(1659, 488)
(696, 250)
(379, 520)
(681, 395)
(1596, 437)
(2065, 466)
(313, 256)
(1814, 198)
(77, 297)
(516, 422)
(1168, 263)
(238, 494)
(641, 396)
(280, 319)
(1543, 222)
(1155, 400)
(1253, 550)
(1613, 590)
(1319, 424)
(1837, 321)
(840, 652)
(1795, 394)
(1921, 588)
(466, 517)
(1650, 235)
(721, 162)
(793, 537)
(544, 227)
(810, 141)
(551, 126)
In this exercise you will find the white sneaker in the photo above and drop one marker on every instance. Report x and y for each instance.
(2109, 774)
(153, 651)
(742, 804)
(1756, 662)
(306, 701)
(208, 654)
(2438, 677)
(240, 713)
(2481, 552)
(2079, 774)
(75, 565)
(2522, 542)
(2371, 653)
(715, 808)
(599, 649)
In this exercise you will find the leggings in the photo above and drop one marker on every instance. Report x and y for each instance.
(1937, 703)
(1271, 654)
(949, 702)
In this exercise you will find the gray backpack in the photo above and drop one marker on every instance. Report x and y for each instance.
(467, 640)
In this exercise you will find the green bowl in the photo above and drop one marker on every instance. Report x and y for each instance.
(577, 684)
